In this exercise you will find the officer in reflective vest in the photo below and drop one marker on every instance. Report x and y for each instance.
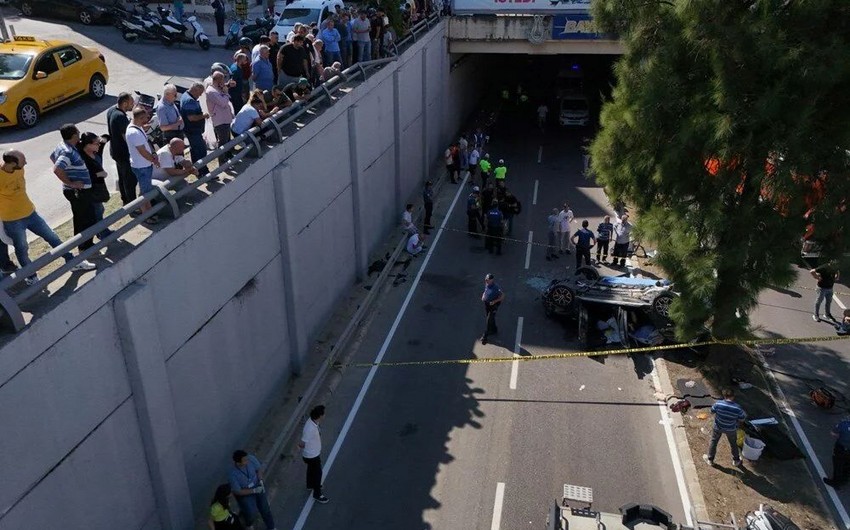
(499, 173)
(495, 229)
(485, 166)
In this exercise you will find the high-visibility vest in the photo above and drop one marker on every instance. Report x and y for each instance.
(485, 165)
(500, 172)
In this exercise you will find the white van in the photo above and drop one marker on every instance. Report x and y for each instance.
(306, 12)
(574, 111)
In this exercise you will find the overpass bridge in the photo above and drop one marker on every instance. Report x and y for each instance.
(129, 385)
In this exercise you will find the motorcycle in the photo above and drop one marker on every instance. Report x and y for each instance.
(134, 26)
(180, 32)
(147, 102)
(766, 518)
(238, 29)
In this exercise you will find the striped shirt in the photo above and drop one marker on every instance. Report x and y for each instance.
(68, 159)
(727, 414)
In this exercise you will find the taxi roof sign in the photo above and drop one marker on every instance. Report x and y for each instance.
(24, 38)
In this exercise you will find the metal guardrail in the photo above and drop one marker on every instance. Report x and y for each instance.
(166, 195)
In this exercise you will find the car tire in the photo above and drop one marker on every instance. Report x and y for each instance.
(28, 114)
(97, 86)
(85, 17)
(562, 296)
(26, 8)
(590, 273)
(661, 304)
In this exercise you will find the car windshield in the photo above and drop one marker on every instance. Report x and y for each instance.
(290, 17)
(14, 65)
(573, 104)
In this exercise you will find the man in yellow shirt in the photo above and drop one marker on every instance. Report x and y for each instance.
(18, 213)
(485, 166)
(500, 172)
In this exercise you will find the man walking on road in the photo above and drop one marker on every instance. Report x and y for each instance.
(311, 450)
(826, 275)
(583, 241)
(117, 122)
(727, 416)
(552, 247)
(840, 456)
(492, 298)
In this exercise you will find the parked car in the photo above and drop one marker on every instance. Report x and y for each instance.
(39, 75)
(613, 309)
(85, 11)
(306, 12)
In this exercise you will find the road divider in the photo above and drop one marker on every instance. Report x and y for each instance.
(599, 353)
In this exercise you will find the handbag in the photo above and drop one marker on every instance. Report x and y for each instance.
(98, 191)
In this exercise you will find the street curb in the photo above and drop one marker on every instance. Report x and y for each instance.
(341, 345)
(683, 448)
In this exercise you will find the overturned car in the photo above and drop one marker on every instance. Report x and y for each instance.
(613, 309)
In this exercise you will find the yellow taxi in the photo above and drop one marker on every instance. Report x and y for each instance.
(39, 75)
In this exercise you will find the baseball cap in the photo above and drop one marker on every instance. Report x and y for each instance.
(303, 81)
(501, 161)
(489, 276)
(475, 188)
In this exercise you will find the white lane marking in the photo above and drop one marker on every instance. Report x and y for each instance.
(528, 250)
(515, 364)
(783, 404)
(497, 506)
(534, 198)
(838, 301)
(540, 154)
(674, 453)
(305, 512)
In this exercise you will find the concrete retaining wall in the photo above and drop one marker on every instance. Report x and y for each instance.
(121, 406)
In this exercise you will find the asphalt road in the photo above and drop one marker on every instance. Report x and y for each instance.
(787, 313)
(429, 445)
(142, 66)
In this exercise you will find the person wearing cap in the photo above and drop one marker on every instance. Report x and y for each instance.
(495, 229)
(500, 172)
(298, 91)
(492, 298)
(473, 212)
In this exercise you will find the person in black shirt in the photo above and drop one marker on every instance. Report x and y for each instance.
(298, 91)
(583, 241)
(292, 61)
(276, 98)
(117, 123)
(826, 275)
(274, 48)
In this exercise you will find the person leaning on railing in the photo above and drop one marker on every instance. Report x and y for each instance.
(252, 114)
(18, 214)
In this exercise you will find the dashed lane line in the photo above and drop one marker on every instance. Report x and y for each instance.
(515, 364)
(497, 506)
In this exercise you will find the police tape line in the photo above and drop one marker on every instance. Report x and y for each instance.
(599, 353)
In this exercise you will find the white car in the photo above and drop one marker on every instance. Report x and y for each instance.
(305, 12)
(574, 111)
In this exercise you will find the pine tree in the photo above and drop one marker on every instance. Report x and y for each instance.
(727, 118)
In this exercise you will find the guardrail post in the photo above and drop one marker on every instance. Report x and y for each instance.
(13, 313)
(328, 93)
(172, 202)
(258, 150)
(277, 128)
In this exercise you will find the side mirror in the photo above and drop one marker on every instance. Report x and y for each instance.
(40, 75)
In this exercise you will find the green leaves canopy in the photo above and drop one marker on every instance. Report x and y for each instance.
(760, 92)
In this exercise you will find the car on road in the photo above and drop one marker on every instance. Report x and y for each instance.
(613, 309)
(85, 11)
(574, 110)
(39, 75)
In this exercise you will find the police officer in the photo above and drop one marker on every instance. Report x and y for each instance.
(840, 456)
(492, 298)
(495, 229)
(500, 173)
(473, 212)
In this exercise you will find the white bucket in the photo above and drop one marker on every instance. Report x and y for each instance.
(752, 448)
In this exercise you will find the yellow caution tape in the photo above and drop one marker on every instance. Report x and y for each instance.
(598, 353)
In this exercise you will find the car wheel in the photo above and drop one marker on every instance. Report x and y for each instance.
(27, 113)
(26, 9)
(85, 17)
(562, 296)
(97, 86)
(589, 273)
(661, 304)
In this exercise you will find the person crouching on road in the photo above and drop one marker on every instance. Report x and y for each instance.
(492, 299)
(415, 244)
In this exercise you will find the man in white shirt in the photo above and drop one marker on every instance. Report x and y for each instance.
(407, 219)
(142, 158)
(564, 220)
(311, 450)
(173, 166)
(415, 244)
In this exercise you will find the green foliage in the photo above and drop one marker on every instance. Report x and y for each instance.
(739, 83)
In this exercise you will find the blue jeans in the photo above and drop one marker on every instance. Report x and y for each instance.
(364, 51)
(345, 51)
(144, 176)
(824, 295)
(17, 231)
(197, 148)
(249, 505)
(99, 210)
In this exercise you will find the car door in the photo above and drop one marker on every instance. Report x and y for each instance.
(47, 90)
(71, 64)
(623, 324)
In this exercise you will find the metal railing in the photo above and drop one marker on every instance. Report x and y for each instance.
(167, 194)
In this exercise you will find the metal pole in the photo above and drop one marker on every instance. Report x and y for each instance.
(4, 32)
